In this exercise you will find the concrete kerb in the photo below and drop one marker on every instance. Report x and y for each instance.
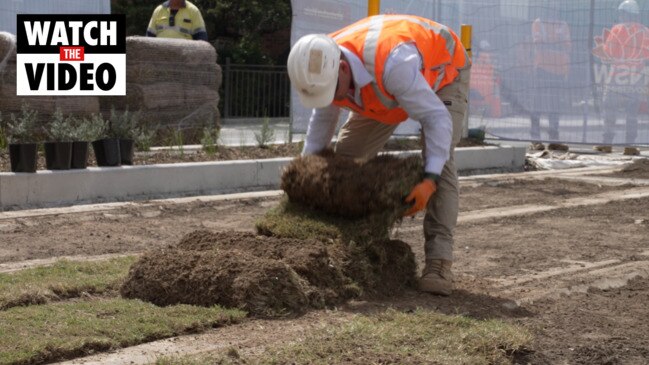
(104, 184)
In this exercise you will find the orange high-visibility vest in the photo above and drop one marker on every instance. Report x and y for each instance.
(552, 46)
(372, 39)
(483, 75)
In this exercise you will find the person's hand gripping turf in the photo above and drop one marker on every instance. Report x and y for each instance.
(420, 195)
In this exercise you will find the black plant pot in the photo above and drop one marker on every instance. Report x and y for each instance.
(58, 155)
(107, 152)
(23, 157)
(126, 151)
(79, 155)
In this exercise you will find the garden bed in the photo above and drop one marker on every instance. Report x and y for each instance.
(227, 153)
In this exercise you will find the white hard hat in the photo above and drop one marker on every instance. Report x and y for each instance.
(629, 6)
(313, 69)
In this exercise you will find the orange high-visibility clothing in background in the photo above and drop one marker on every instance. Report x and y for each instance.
(373, 39)
(486, 82)
(627, 45)
(552, 46)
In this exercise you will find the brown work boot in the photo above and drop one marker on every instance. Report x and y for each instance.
(437, 277)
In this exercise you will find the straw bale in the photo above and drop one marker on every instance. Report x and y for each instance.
(8, 73)
(154, 72)
(7, 47)
(182, 118)
(106, 103)
(180, 51)
(10, 102)
(160, 95)
(200, 95)
(7, 58)
(178, 97)
(78, 105)
(143, 97)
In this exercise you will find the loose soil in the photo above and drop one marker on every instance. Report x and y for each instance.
(265, 276)
(576, 277)
(638, 169)
(523, 192)
(606, 326)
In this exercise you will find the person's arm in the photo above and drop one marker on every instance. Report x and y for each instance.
(322, 126)
(199, 32)
(404, 80)
(151, 30)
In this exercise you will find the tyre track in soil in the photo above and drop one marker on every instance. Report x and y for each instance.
(557, 285)
(550, 284)
(579, 276)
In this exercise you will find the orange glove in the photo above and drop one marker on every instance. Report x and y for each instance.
(420, 194)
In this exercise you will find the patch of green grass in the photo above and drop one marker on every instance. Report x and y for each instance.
(65, 279)
(392, 337)
(57, 331)
(291, 220)
(419, 337)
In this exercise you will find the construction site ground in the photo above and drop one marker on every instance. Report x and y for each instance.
(564, 254)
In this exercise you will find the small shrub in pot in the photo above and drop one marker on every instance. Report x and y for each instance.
(58, 148)
(3, 135)
(124, 127)
(85, 130)
(23, 141)
(106, 146)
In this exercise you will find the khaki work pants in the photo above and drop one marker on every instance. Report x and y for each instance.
(363, 138)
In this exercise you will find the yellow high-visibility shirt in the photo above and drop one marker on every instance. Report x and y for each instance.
(187, 23)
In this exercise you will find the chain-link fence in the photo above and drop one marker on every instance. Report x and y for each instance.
(546, 70)
(254, 91)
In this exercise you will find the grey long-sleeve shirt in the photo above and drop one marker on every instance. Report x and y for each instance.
(403, 79)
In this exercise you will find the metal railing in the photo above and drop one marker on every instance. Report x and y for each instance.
(255, 91)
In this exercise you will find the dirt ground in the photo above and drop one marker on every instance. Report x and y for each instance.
(639, 169)
(577, 277)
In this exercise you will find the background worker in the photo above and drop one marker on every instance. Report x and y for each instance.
(625, 49)
(551, 47)
(485, 81)
(177, 19)
(384, 69)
